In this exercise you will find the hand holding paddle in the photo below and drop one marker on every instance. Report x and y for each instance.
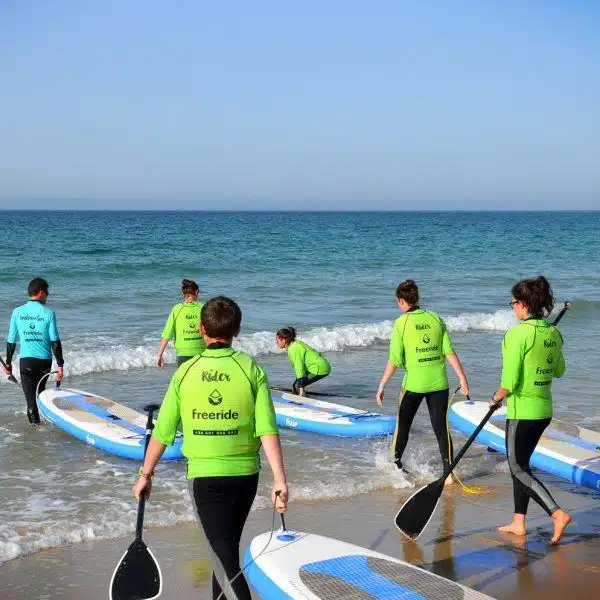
(137, 576)
(417, 511)
(8, 371)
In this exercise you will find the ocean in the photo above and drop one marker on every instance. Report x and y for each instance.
(115, 275)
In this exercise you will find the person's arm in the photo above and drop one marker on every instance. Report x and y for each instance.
(560, 366)
(167, 334)
(296, 355)
(513, 353)
(56, 346)
(265, 428)
(458, 369)
(163, 435)
(396, 360)
(11, 342)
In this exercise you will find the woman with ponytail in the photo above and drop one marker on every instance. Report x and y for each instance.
(531, 357)
(309, 365)
(183, 324)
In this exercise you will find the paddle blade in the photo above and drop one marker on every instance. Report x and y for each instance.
(137, 576)
(416, 512)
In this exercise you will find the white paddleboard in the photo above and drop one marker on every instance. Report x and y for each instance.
(565, 450)
(100, 422)
(318, 416)
(315, 567)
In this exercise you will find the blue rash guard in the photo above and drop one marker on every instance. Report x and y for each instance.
(35, 325)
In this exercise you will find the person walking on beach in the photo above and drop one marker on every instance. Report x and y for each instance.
(309, 365)
(183, 325)
(420, 344)
(223, 401)
(34, 324)
(531, 357)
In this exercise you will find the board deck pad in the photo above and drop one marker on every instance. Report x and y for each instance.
(311, 566)
(565, 450)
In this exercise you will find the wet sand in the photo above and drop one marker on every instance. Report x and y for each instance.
(460, 543)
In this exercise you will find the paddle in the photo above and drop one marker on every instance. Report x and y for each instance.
(416, 512)
(11, 377)
(137, 576)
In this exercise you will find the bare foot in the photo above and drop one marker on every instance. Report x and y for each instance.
(560, 519)
(514, 528)
(449, 480)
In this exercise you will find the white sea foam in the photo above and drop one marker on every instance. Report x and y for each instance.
(121, 357)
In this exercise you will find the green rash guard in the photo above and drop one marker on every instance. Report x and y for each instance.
(223, 401)
(182, 324)
(531, 357)
(307, 360)
(420, 343)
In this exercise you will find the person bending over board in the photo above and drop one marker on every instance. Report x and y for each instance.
(183, 325)
(35, 325)
(420, 343)
(531, 357)
(223, 400)
(309, 365)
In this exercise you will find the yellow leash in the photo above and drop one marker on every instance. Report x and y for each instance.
(475, 490)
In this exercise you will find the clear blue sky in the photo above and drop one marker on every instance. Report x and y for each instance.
(329, 104)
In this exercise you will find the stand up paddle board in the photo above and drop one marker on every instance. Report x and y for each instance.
(318, 416)
(100, 422)
(315, 567)
(565, 450)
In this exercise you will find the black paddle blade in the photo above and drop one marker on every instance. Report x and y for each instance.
(137, 576)
(415, 513)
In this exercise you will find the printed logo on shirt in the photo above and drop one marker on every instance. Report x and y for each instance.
(426, 339)
(549, 344)
(215, 398)
(550, 359)
(31, 325)
(215, 375)
(422, 326)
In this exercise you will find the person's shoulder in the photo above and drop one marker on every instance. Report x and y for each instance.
(520, 331)
(400, 320)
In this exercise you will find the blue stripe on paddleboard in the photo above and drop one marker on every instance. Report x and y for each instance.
(559, 435)
(80, 401)
(570, 472)
(333, 411)
(355, 570)
(266, 587)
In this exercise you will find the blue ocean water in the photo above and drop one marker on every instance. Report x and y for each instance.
(115, 275)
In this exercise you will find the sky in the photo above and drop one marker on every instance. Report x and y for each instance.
(328, 104)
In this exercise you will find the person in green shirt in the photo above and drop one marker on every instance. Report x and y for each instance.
(183, 325)
(309, 365)
(421, 344)
(223, 402)
(531, 357)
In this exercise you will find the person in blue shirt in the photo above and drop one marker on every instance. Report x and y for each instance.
(34, 324)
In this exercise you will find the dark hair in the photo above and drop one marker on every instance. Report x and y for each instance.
(408, 291)
(288, 334)
(37, 285)
(221, 317)
(535, 294)
(189, 287)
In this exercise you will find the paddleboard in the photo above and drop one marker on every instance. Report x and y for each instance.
(565, 450)
(100, 422)
(318, 416)
(315, 567)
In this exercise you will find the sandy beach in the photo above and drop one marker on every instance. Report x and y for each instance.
(461, 543)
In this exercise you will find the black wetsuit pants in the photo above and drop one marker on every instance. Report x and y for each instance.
(302, 382)
(522, 437)
(32, 370)
(437, 403)
(222, 505)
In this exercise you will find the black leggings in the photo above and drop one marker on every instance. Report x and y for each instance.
(437, 403)
(522, 437)
(302, 382)
(222, 505)
(32, 370)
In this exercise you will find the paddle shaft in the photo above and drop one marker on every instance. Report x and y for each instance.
(11, 377)
(142, 503)
(490, 412)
